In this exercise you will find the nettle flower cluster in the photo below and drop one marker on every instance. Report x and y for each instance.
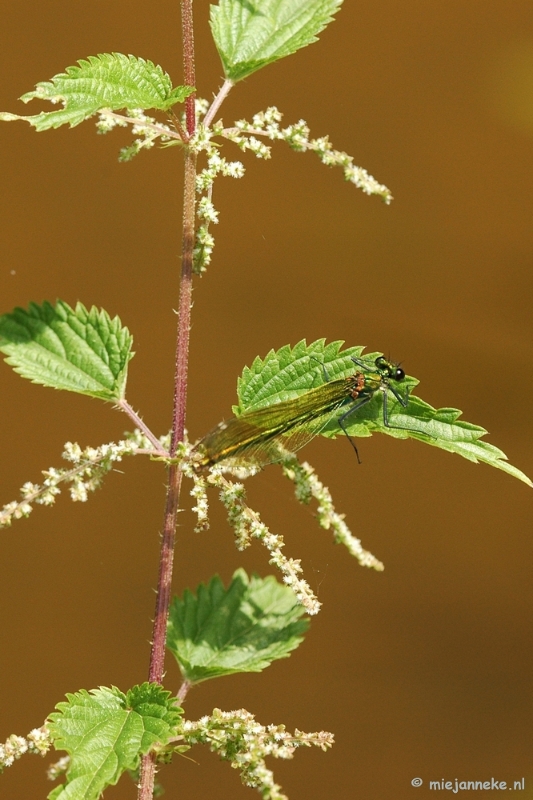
(247, 524)
(248, 137)
(147, 130)
(238, 738)
(88, 468)
(245, 135)
(90, 465)
(38, 741)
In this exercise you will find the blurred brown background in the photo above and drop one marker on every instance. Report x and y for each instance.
(423, 670)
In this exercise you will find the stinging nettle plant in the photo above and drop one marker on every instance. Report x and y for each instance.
(284, 399)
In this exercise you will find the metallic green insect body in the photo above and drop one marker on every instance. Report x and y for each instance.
(255, 437)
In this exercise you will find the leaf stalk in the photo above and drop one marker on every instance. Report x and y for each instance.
(217, 102)
(125, 406)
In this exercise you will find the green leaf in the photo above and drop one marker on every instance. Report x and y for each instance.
(287, 373)
(108, 80)
(249, 34)
(290, 372)
(105, 731)
(239, 629)
(73, 349)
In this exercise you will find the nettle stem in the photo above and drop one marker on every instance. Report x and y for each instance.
(164, 585)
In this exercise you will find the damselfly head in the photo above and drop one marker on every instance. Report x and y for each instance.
(388, 370)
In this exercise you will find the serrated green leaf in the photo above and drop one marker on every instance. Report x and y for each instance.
(290, 372)
(72, 349)
(249, 34)
(108, 80)
(239, 629)
(105, 732)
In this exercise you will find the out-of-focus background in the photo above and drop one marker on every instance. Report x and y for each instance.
(423, 670)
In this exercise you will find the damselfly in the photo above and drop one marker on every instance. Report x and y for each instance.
(257, 434)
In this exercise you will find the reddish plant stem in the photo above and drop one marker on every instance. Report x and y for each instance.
(147, 778)
(157, 655)
(189, 75)
(185, 303)
(157, 658)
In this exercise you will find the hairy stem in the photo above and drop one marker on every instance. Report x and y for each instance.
(185, 303)
(217, 102)
(183, 691)
(124, 406)
(164, 585)
(189, 75)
